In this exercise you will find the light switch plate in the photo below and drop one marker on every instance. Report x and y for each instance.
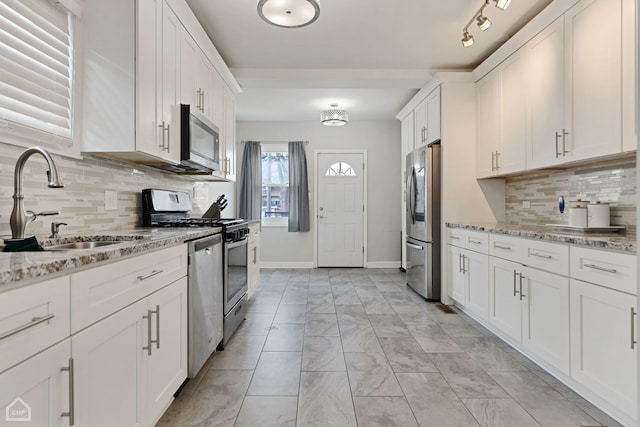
(526, 204)
(110, 200)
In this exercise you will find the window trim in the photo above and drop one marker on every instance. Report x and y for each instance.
(23, 136)
(274, 148)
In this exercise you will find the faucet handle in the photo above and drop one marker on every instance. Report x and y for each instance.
(55, 228)
(48, 213)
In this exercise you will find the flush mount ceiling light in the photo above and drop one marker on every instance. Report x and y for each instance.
(289, 13)
(482, 21)
(334, 117)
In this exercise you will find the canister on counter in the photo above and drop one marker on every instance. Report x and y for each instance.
(598, 214)
(578, 216)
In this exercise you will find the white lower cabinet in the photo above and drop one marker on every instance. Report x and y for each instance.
(253, 259)
(129, 365)
(457, 280)
(469, 280)
(603, 345)
(39, 389)
(530, 306)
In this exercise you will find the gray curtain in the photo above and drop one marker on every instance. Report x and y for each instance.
(251, 181)
(298, 188)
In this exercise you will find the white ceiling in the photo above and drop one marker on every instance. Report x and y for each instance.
(369, 56)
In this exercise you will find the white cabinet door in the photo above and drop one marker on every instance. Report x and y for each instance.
(477, 283)
(36, 392)
(433, 116)
(204, 84)
(545, 77)
(505, 308)
(545, 322)
(189, 50)
(110, 370)
(456, 275)
(169, 84)
(420, 115)
(511, 154)
(167, 364)
(593, 92)
(218, 112)
(603, 356)
(253, 278)
(488, 123)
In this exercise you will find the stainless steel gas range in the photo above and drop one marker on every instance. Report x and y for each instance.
(217, 271)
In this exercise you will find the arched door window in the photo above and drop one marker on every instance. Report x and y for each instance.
(340, 169)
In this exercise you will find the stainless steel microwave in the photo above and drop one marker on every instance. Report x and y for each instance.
(199, 144)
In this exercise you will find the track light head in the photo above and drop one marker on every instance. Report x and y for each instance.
(467, 39)
(483, 22)
(502, 4)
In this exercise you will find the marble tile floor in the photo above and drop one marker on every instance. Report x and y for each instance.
(357, 347)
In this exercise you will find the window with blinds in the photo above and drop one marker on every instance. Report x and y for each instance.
(36, 84)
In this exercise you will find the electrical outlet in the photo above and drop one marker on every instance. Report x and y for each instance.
(526, 204)
(110, 200)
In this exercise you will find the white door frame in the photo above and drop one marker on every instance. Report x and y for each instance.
(364, 201)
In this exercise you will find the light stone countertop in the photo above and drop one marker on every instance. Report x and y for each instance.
(23, 268)
(620, 241)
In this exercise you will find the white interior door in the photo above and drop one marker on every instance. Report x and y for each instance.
(340, 209)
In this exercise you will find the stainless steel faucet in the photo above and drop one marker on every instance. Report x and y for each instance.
(20, 219)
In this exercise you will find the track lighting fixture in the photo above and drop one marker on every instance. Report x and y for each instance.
(482, 21)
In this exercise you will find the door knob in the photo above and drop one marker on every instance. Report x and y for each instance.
(320, 216)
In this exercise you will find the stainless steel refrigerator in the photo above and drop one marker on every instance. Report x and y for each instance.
(423, 220)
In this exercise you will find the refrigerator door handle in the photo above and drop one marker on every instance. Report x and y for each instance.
(412, 195)
(412, 246)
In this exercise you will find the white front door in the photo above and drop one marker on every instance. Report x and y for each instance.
(340, 209)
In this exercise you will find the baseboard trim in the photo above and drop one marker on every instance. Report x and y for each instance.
(383, 264)
(274, 265)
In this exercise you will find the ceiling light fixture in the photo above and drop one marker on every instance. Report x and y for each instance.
(334, 117)
(289, 13)
(482, 21)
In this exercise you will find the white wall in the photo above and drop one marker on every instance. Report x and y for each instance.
(381, 140)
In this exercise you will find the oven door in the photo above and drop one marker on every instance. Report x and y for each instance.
(235, 273)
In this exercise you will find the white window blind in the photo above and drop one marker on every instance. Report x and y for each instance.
(36, 46)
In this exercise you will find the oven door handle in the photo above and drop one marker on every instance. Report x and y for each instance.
(236, 244)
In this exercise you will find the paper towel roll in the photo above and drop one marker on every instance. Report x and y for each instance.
(598, 215)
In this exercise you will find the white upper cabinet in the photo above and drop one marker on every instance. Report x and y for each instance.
(593, 92)
(420, 117)
(565, 94)
(502, 124)
(427, 119)
(545, 78)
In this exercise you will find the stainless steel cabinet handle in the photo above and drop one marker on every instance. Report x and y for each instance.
(168, 138)
(198, 99)
(541, 255)
(493, 168)
(564, 142)
(153, 273)
(475, 242)
(412, 246)
(148, 346)
(633, 327)
(34, 321)
(255, 255)
(497, 160)
(464, 264)
(454, 237)
(460, 263)
(71, 413)
(157, 313)
(162, 135)
(596, 267)
(515, 274)
(522, 295)
(507, 248)
(557, 138)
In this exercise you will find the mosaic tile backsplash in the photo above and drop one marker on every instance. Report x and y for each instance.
(81, 201)
(612, 181)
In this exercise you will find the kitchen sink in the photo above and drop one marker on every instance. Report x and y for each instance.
(82, 245)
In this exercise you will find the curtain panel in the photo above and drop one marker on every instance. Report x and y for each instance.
(251, 181)
(298, 188)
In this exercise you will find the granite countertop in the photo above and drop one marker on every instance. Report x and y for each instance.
(23, 268)
(620, 241)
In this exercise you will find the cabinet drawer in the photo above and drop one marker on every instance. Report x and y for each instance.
(507, 247)
(33, 318)
(474, 240)
(99, 292)
(610, 269)
(546, 256)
